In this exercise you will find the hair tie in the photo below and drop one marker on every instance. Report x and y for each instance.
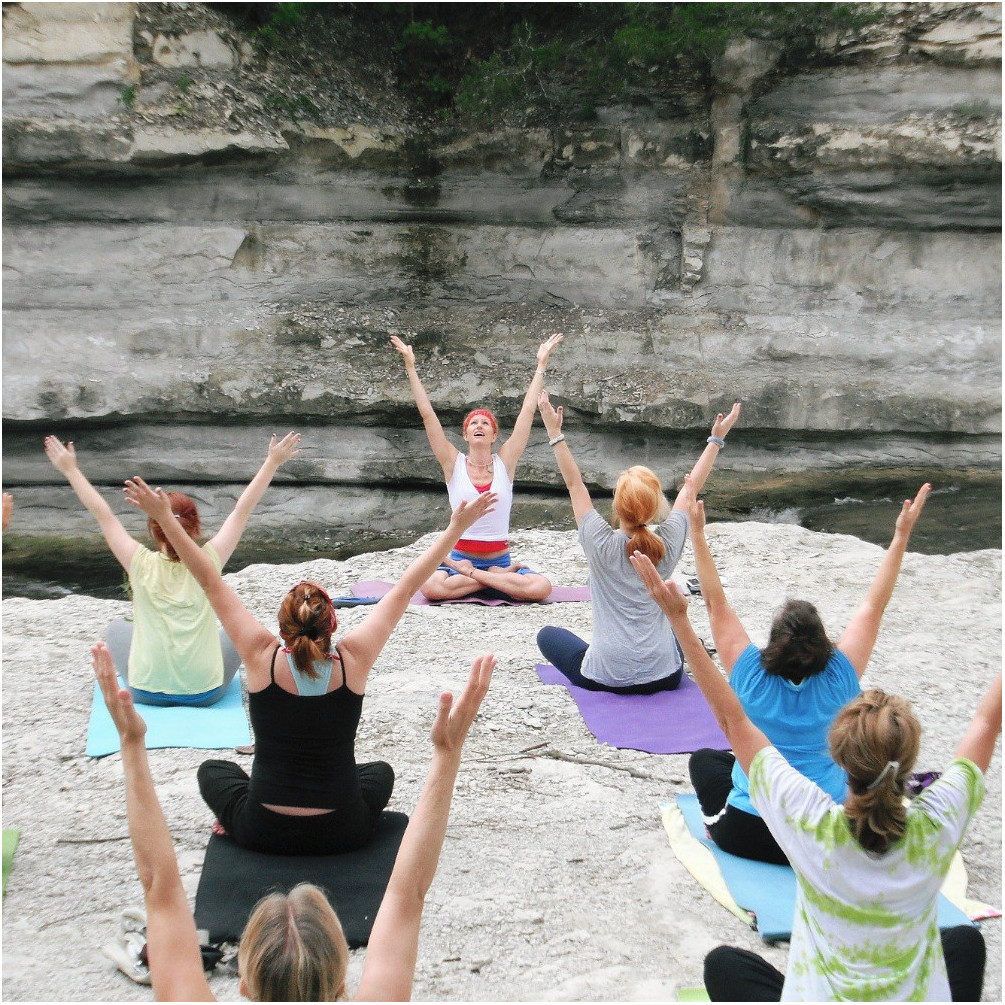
(891, 767)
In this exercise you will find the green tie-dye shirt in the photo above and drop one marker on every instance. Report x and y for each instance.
(865, 927)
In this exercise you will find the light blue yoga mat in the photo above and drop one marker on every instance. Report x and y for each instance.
(769, 891)
(215, 727)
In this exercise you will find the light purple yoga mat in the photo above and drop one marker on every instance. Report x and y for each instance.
(668, 722)
(559, 595)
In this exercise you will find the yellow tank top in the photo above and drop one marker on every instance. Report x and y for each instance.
(176, 642)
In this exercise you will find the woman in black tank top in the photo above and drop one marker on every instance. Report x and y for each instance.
(306, 794)
(293, 947)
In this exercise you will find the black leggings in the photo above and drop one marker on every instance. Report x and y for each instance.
(224, 786)
(738, 975)
(736, 831)
(565, 650)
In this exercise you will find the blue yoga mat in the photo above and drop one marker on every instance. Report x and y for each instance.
(215, 727)
(769, 891)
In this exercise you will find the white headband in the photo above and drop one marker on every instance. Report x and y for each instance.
(891, 766)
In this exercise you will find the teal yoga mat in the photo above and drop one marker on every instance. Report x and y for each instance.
(215, 727)
(769, 891)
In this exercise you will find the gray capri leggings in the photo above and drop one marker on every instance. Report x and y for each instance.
(119, 637)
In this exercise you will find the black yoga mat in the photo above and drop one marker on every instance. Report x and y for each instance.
(234, 880)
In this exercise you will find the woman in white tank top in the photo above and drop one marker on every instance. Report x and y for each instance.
(481, 559)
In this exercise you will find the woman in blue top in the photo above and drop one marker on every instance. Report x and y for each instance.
(791, 690)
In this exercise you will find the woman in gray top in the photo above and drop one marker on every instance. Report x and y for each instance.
(633, 649)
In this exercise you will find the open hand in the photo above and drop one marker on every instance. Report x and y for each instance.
(545, 348)
(153, 502)
(405, 349)
(468, 512)
(666, 593)
(551, 416)
(118, 701)
(63, 459)
(724, 423)
(287, 447)
(453, 720)
(911, 510)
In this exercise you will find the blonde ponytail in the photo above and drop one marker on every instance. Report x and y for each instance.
(638, 501)
(876, 739)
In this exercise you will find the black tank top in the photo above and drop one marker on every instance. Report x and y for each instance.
(304, 745)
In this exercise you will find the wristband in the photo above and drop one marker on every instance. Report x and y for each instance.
(540, 371)
(717, 440)
(556, 439)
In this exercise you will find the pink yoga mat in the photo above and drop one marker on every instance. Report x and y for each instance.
(559, 595)
(668, 722)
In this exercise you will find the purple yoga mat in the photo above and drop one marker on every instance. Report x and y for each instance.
(559, 595)
(668, 722)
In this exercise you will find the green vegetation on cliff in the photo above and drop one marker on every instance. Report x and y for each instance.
(536, 61)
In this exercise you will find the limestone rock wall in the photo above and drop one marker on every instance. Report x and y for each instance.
(823, 245)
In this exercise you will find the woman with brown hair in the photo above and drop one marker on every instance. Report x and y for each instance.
(306, 795)
(869, 871)
(633, 649)
(292, 948)
(792, 689)
(172, 652)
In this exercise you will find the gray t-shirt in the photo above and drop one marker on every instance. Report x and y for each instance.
(632, 641)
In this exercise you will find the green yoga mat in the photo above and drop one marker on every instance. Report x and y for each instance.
(10, 840)
(692, 995)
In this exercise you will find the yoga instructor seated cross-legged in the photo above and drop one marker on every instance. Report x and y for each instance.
(306, 794)
(481, 559)
(633, 649)
(869, 871)
(292, 948)
(172, 652)
(792, 689)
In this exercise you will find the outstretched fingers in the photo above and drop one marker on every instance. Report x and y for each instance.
(142, 496)
(454, 718)
(474, 692)
(468, 512)
(118, 701)
(911, 508)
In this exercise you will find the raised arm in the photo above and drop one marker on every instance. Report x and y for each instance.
(228, 536)
(703, 466)
(978, 743)
(64, 459)
(512, 450)
(394, 943)
(172, 944)
(363, 644)
(729, 634)
(859, 637)
(578, 492)
(252, 641)
(446, 453)
(744, 737)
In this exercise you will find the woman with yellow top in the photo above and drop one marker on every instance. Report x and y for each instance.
(172, 653)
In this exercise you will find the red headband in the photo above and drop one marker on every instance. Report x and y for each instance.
(481, 411)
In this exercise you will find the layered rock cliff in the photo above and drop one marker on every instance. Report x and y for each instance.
(188, 264)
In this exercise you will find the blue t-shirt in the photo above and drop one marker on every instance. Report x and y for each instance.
(796, 718)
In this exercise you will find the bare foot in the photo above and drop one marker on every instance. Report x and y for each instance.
(218, 829)
(463, 566)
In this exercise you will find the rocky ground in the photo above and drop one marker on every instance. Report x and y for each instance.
(556, 880)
